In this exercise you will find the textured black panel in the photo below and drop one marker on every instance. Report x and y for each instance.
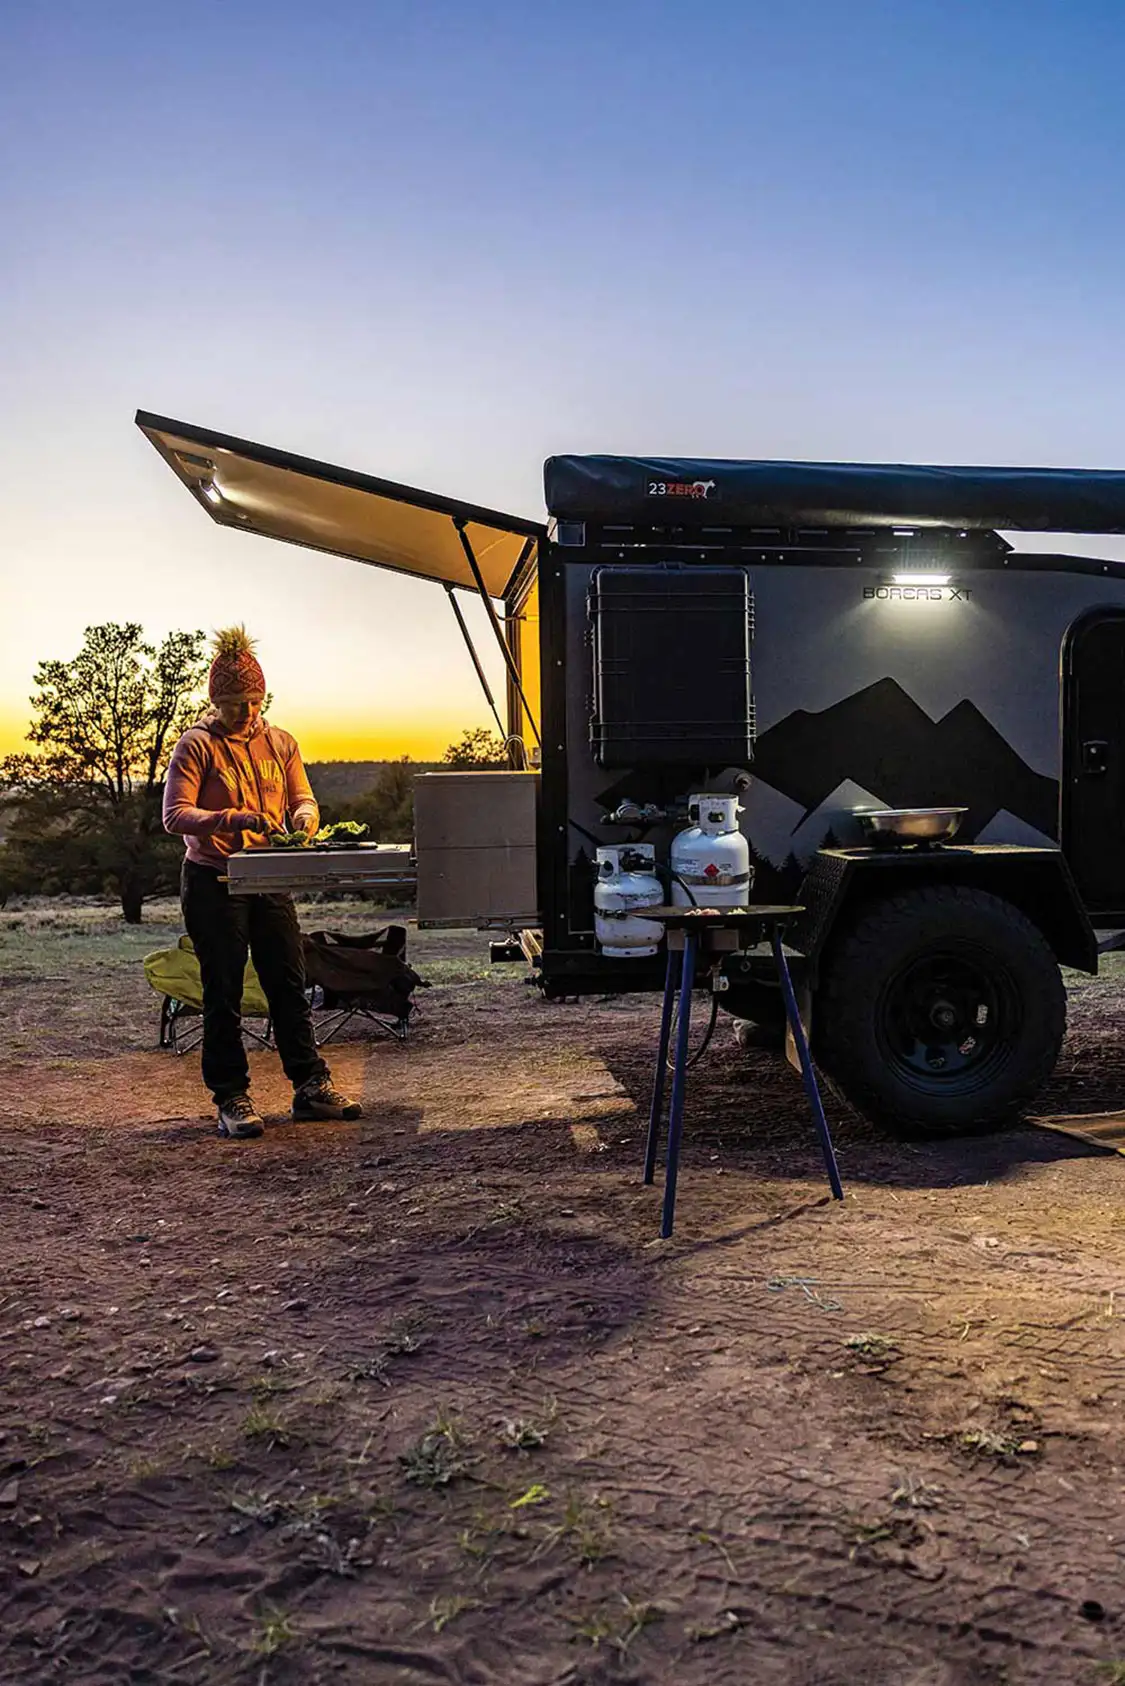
(821, 891)
(672, 683)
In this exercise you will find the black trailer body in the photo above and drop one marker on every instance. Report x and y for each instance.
(1001, 690)
(821, 639)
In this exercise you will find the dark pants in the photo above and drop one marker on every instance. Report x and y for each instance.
(223, 929)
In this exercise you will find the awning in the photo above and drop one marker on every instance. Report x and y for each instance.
(282, 496)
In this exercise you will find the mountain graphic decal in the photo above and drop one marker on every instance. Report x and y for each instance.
(881, 739)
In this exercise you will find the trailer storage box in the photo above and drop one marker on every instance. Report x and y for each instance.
(474, 838)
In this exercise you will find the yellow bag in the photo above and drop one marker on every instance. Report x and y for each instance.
(174, 974)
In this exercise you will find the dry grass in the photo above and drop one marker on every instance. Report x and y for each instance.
(74, 985)
(616, 1625)
(265, 1426)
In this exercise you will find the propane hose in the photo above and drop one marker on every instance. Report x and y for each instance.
(710, 1031)
(695, 1058)
(659, 871)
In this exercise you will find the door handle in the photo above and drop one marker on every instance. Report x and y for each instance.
(1095, 757)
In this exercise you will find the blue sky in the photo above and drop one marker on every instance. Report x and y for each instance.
(440, 242)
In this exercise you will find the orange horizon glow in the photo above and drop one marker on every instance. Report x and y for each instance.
(321, 740)
(328, 743)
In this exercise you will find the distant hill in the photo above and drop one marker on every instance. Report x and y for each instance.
(334, 782)
(342, 781)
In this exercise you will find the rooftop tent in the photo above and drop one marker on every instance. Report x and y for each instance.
(281, 496)
(723, 493)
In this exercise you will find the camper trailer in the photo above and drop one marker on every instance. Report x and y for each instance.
(920, 729)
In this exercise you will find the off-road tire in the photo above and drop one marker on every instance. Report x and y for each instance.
(878, 981)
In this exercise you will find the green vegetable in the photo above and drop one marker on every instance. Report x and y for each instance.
(352, 830)
(349, 831)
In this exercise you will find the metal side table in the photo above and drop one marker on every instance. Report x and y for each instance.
(690, 933)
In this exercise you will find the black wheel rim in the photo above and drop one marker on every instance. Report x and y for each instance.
(948, 1019)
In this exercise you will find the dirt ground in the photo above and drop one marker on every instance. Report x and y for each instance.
(424, 1399)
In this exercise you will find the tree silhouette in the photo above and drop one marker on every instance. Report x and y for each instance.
(86, 799)
(475, 750)
(387, 809)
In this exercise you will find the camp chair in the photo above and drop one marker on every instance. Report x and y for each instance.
(363, 978)
(174, 975)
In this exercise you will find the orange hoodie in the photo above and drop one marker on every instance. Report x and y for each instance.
(214, 781)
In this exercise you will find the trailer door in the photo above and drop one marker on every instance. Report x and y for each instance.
(1093, 808)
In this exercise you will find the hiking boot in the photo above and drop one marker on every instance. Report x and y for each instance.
(319, 1099)
(238, 1118)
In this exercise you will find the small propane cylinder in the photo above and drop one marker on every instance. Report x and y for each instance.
(711, 859)
(627, 883)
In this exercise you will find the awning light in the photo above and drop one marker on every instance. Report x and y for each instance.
(920, 579)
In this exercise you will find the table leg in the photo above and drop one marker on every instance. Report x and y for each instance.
(808, 1074)
(671, 977)
(679, 1081)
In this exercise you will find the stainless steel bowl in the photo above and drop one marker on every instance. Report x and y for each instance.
(894, 827)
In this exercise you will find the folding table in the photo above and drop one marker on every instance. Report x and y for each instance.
(692, 932)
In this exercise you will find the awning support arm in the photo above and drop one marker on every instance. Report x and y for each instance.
(472, 649)
(509, 659)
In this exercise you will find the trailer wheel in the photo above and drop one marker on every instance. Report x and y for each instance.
(941, 1012)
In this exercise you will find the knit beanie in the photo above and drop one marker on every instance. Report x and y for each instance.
(235, 667)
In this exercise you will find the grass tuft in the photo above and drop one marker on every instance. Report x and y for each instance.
(877, 1349)
(919, 1495)
(521, 1434)
(584, 1530)
(446, 1610)
(260, 1424)
(985, 1443)
(616, 1628)
(275, 1632)
(403, 1339)
(438, 1458)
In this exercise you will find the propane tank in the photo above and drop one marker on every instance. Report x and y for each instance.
(711, 859)
(627, 883)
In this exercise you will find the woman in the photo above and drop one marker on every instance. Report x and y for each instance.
(233, 779)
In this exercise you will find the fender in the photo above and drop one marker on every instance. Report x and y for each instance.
(1037, 881)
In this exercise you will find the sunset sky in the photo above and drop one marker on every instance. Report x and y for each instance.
(438, 241)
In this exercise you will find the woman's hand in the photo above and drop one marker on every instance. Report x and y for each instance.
(244, 819)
